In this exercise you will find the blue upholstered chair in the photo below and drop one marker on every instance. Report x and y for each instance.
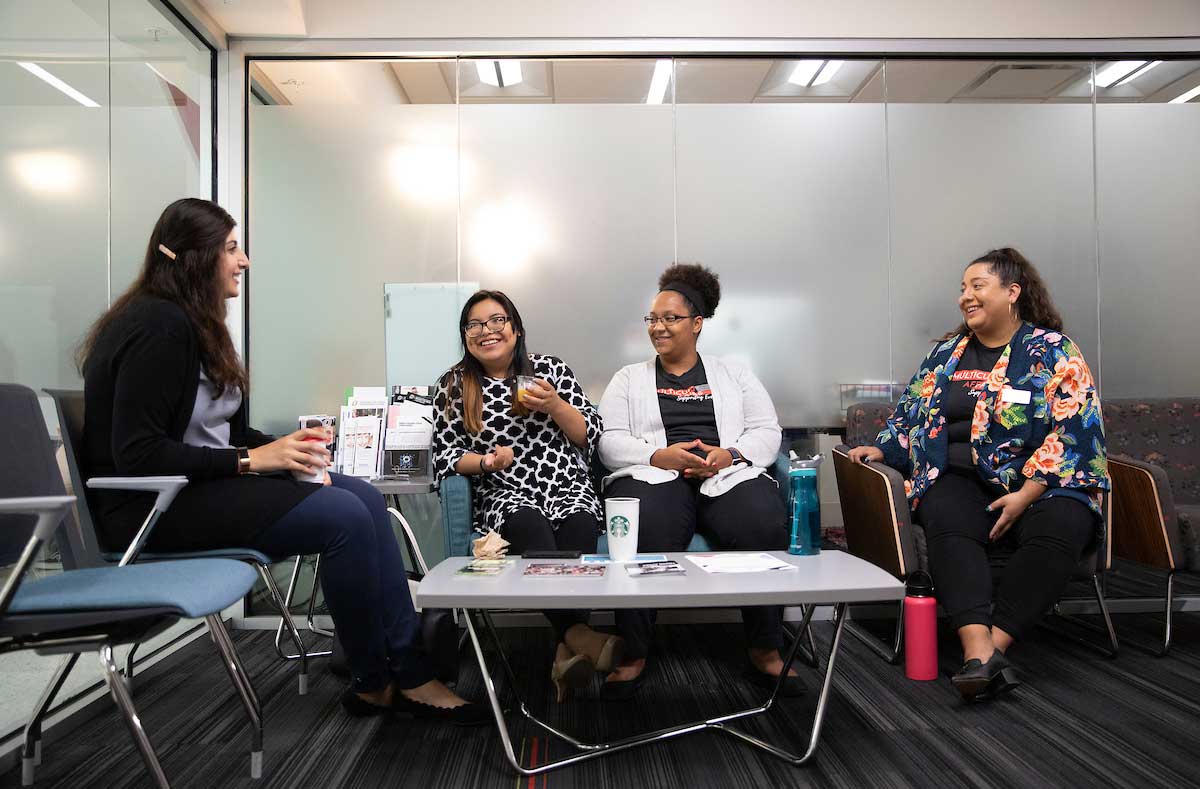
(95, 608)
(89, 554)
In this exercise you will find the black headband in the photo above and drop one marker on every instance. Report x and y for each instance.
(689, 293)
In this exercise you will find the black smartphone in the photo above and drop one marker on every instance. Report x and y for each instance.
(551, 554)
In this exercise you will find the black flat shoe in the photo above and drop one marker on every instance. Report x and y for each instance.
(469, 714)
(792, 686)
(358, 707)
(983, 681)
(622, 690)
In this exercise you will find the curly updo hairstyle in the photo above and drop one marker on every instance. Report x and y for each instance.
(700, 288)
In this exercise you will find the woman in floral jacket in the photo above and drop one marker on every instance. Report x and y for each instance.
(999, 435)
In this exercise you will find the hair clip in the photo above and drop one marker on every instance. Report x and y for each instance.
(163, 249)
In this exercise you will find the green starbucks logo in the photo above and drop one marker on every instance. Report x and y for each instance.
(618, 526)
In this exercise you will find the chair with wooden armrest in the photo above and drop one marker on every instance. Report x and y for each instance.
(879, 528)
(1146, 526)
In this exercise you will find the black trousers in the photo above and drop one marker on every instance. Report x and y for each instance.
(528, 529)
(749, 517)
(1046, 544)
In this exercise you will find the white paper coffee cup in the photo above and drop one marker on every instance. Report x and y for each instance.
(621, 525)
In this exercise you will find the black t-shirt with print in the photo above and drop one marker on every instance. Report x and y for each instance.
(965, 386)
(686, 404)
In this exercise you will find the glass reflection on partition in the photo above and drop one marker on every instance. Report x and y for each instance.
(569, 208)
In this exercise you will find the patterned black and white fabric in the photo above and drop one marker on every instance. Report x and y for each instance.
(548, 473)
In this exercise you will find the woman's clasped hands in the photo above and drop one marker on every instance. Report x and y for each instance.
(681, 457)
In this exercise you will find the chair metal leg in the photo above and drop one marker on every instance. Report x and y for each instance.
(1170, 613)
(133, 648)
(241, 682)
(892, 654)
(312, 601)
(31, 753)
(1113, 645)
(285, 621)
(124, 702)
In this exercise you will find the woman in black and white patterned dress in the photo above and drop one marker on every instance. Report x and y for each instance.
(529, 456)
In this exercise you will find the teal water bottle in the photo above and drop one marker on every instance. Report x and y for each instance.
(804, 506)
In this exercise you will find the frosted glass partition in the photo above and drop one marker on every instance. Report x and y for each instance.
(340, 204)
(788, 203)
(568, 207)
(161, 126)
(1148, 174)
(995, 163)
(91, 149)
(53, 189)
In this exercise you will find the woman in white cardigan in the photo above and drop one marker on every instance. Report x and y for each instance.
(692, 439)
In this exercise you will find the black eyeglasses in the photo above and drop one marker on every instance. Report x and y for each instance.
(665, 320)
(494, 323)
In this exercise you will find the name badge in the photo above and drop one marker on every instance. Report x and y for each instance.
(1010, 395)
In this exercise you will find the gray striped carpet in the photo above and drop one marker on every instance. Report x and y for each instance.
(1080, 720)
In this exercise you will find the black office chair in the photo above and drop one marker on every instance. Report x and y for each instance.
(96, 608)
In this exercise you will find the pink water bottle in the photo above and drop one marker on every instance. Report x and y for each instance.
(920, 628)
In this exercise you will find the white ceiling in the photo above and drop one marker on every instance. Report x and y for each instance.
(707, 18)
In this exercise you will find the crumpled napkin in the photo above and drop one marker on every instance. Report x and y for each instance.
(490, 546)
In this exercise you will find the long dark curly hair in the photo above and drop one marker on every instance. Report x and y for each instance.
(195, 230)
(1034, 304)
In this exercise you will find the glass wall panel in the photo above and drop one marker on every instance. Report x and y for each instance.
(1147, 163)
(161, 125)
(986, 154)
(353, 184)
(84, 173)
(782, 190)
(567, 200)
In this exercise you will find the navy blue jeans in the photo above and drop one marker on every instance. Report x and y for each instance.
(363, 577)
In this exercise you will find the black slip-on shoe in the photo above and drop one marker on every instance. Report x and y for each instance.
(792, 686)
(358, 707)
(469, 714)
(615, 690)
(977, 680)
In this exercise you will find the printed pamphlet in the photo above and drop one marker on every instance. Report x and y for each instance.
(556, 570)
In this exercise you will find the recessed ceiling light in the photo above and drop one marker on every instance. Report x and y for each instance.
(826, 73)
(49, 78)
(1186, 97)
(1138, 74)
(499, 73)
(659, 82)
(805, 71)
(1116, 72)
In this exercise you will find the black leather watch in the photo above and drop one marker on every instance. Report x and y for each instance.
(737, 456)
(243, 460)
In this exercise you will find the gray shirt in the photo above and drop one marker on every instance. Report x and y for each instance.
(209, 425)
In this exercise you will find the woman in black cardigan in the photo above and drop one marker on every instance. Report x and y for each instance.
(163, 390)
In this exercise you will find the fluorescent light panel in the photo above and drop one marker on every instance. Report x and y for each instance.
(805, 71)
(1117, 72)
(1186, 97)
(54, 81)
(499, 73)
(1140, 72)
(827, 71)
(659, 82)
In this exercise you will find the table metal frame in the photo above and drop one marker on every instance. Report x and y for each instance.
(720, 723)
